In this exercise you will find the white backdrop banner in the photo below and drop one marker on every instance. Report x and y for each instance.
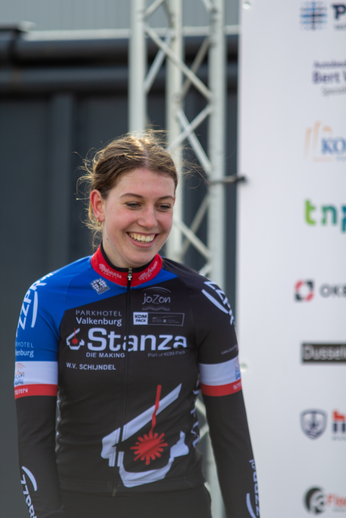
(291, 264)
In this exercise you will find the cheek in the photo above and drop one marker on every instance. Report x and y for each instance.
(168, 223)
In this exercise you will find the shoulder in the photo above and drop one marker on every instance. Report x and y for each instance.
(189, 276)
(44, 301)
(62, 277)
(204, 293)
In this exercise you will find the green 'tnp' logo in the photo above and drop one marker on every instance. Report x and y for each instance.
(325, 215)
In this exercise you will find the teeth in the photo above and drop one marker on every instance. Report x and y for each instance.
(142, 238)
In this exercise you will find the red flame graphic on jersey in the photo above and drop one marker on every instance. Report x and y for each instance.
(74, 340)
(150, 446)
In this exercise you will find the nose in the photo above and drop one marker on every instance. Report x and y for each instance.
(148, 218)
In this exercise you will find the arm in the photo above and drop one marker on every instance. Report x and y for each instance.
(235, 463)
(35, 392)
(222, 394)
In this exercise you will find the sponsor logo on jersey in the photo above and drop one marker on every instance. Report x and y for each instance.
(24, 349)
(73, 341)
(19, 374)
(323, 353)
(141, 318)
(253, 510)
(225, 306)
(100, 286)
(313, 423)
(30, 302)
(146, 448)
(317, 501)
(99, 339)
(26, 491)
(156, 299)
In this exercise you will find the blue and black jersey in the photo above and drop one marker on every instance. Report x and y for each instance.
(125, 353)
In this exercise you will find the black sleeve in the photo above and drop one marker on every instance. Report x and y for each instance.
(222, 393)
(235, 464)
(35, 388)
(38, 470)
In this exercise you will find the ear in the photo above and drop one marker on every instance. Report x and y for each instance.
(97, 203)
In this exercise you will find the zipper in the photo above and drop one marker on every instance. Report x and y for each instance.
(127, 317)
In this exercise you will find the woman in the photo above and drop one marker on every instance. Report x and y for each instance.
(125, 338)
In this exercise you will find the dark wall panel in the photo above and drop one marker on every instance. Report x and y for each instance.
(23, 210)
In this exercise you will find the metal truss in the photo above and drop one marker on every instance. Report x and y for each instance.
(179, 79)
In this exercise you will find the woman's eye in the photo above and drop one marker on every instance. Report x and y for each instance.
(165, 207)
(132, 205)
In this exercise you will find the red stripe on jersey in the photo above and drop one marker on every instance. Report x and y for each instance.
(120, 277)
(35, 390)
(221, 390)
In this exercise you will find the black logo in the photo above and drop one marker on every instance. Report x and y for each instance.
(339, 10)
(313, 15)
(304, 291)
(315, 500)
(323, 353)
(313, 423)
(156, 299)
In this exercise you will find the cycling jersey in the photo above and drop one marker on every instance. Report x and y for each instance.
(126, 352)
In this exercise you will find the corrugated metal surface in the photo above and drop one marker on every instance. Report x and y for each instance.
(99, 14)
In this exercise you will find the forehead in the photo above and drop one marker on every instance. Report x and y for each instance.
(143, 181)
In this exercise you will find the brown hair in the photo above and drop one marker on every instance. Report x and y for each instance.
(121, 156)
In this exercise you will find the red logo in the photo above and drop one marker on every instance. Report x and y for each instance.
(304, 291)
(339, 422)
(150, 446)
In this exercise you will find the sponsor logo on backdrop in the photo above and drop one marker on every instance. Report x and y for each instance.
(339, 426)
(323, 144)
(323, 353)
(315, 15)
(304, 291)
(325, 215)
(313, 423)
(330, 76)
(317, 501)
(339, 15)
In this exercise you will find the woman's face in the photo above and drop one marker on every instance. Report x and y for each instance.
(137, 217)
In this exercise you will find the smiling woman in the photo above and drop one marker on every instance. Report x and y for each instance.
(136, 216)
(128, 339)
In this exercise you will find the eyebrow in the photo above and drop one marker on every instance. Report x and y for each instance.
(140, 196)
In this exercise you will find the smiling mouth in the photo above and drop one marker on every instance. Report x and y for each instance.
(142, 238)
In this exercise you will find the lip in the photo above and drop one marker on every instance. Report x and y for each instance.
(143, 245)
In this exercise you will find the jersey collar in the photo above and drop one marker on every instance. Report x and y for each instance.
(104, 267)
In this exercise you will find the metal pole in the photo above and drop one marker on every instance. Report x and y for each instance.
(216, 214)
(173, 106)
(217, 85)
(137, 65)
